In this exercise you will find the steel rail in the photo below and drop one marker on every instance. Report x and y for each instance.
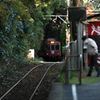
(40, 82)
(19, 81)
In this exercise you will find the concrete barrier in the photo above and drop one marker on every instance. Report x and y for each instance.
(56, 92)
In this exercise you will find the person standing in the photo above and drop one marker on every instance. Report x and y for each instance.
(92, 50)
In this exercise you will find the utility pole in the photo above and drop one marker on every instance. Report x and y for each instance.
(67, 73)
(74, 34)
(79, 30)
(74, 2)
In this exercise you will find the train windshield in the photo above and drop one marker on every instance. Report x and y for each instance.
(57, 47)
(47, 47)
(52, 47)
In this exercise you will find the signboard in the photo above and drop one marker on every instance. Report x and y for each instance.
(93, 31)
(31, 53)
(77, 13)
(93, 28)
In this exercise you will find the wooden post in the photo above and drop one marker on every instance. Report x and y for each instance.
(79, 46)
(79, 40)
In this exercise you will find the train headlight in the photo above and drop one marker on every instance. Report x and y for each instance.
(46, 53)
(58, 53)
(52, 42)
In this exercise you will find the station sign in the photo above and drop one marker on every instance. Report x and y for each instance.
(77, 13)
(93, 28)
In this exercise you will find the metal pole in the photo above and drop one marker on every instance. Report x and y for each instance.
(68, 2)
(67, 74)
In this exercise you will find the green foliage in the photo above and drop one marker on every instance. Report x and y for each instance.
(4, 13)
(61, 78)
(56, 3)
(63, 35)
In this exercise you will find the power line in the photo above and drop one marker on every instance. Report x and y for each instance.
(64, 3)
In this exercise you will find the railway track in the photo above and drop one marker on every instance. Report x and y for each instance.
(34, 85)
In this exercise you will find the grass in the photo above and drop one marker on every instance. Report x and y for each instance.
(53, 73)
(74, 77)
(84, 80)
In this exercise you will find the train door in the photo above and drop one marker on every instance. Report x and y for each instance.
(52, 49)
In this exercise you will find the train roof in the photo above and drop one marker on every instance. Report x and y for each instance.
(50, 39)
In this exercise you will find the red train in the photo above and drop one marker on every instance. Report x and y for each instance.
(52, 50)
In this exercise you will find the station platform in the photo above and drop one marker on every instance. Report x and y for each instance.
(61, 91)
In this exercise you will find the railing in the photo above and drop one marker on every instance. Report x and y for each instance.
(73, 61)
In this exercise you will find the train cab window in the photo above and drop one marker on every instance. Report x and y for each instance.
(52, 47)
(57, 47)
(47, 47)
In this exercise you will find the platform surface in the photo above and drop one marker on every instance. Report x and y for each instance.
(61, 91)
(83, 92)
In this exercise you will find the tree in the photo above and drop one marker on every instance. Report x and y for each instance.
(92, 7)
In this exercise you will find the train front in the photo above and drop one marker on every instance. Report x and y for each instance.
(52, 50)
